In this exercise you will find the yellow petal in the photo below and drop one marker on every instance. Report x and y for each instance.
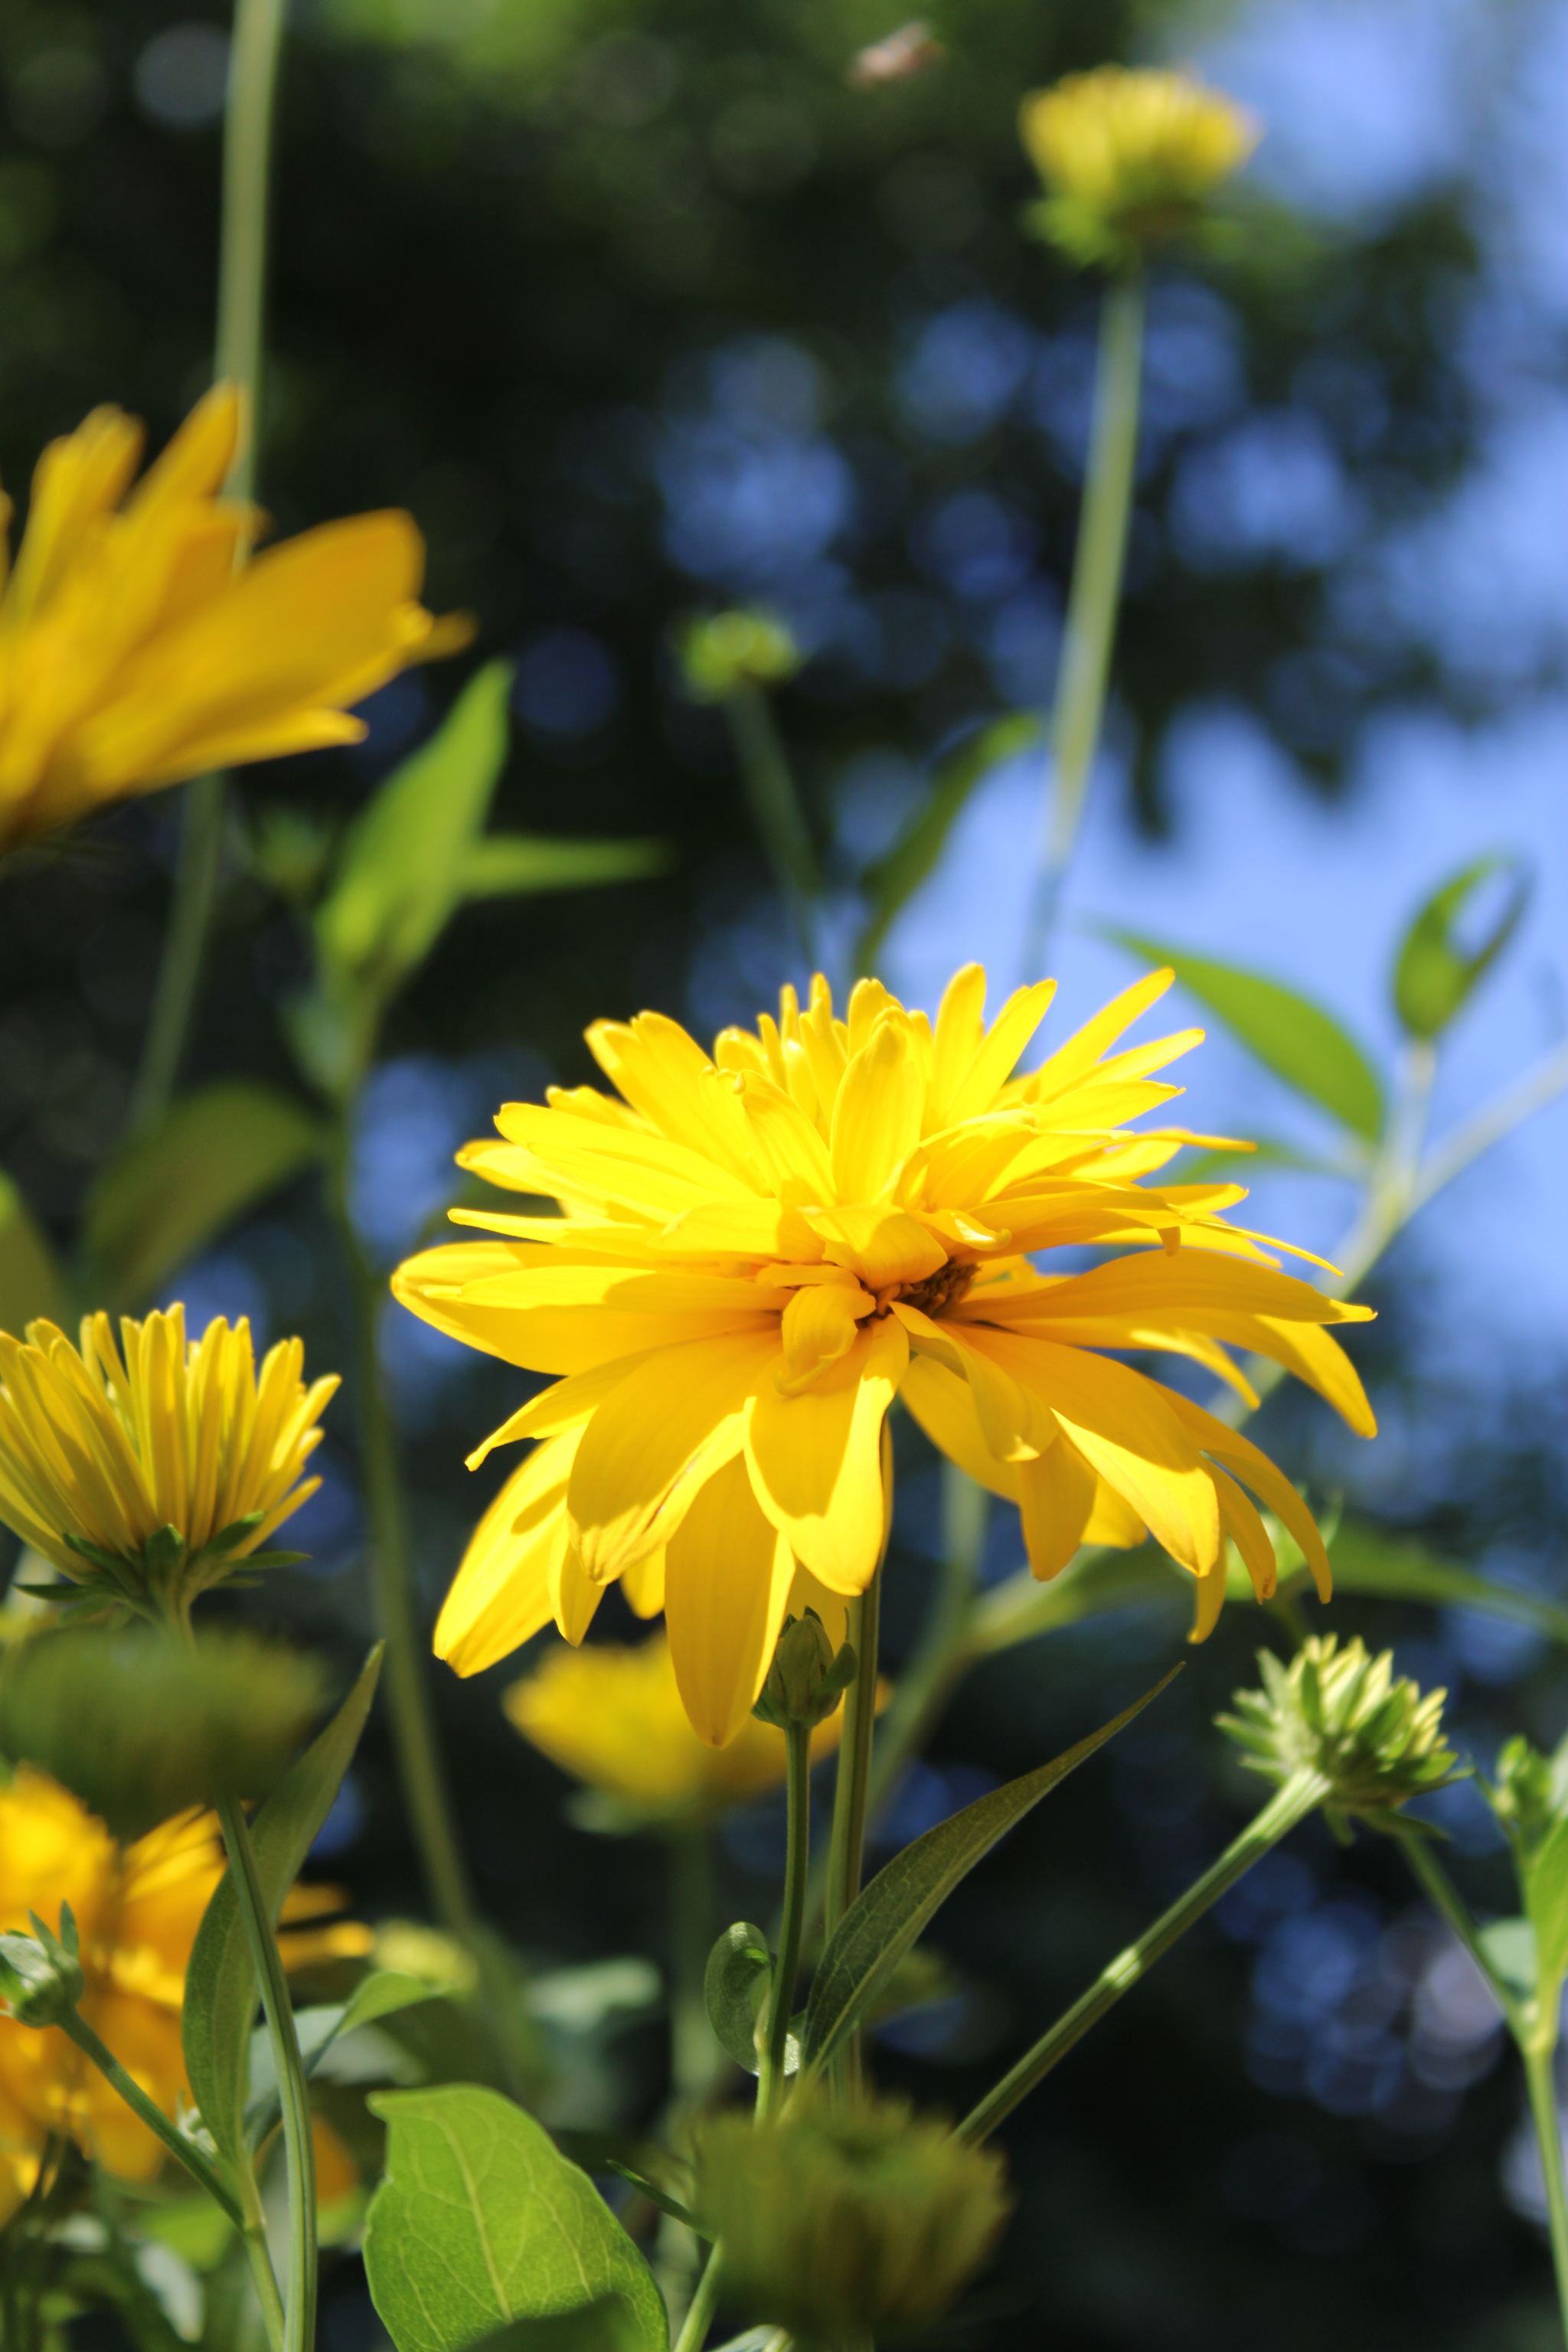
(727, 1578)
(877, 1115)
(1085, 1046)
(819, 1328)
(1265, 1477)
(815, 1460)
(500, 1596)
(1056, 1494)
(1005, 1040)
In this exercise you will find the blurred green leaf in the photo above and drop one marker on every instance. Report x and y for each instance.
(221, 1991)
(505, 862)
(1509, 1948)
(31, 1283)
(1287, 1033)
(159, 1202)
(885, 1919)
(892, 882)
(734, 1988)
(1543, 1877)
(1366, 1560)
(1433, 976)
(480, 2222)
(610, 2324)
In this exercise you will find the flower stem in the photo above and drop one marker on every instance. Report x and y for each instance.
(1096, 592)
(781, 2005)
(925, 1683)
(300, 2309)
(1291, 1803)
(197, 2163)
(776, 804)
(242, 275)
(1539, 2074)
(704, 2303)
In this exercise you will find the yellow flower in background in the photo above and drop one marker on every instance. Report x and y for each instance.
(112, 1446)
(613, 1717)
(134, 653)
(1128, 158)
(760, 1249)
(137, 1910)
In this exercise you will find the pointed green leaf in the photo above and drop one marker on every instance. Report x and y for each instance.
(1509, 1948)
(1288, 1033)
(480, 2222)
(221, 1991)
(503, 864)
(883, 1924)
(1365, 1560)
(892, 882)
(1432, 976)
(734, 1986)
(1543, 1878)
(31, 1283)
(162, 1199)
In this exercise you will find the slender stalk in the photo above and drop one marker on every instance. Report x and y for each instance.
(943, 1653)
(704, 2303)
(1420, 1854)
(1096, 592)
(1540, 2075)
(242, 276)
(846, 1845)
(258, 2254)
(776, 804)
(781, 2005)
(199, 2165)
(1289, 1804)
(299, 2307)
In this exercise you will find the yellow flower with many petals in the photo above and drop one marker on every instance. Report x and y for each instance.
(132, 651)
(151, 1472)
(760, 1249)
(137, 1909)
(1129, 157)
(612, 1717)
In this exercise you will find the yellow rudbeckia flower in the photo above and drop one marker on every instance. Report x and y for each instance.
(137, 1909)
(760, 1249)
(613, 1717)
(1127, 157)
(151, 1472)
(134, 653)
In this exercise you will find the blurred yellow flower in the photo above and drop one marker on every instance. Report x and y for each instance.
(758, 1250)
(137, 1909)
(613, 1717)
(113, 1449)
(1128, 157)
(133, 652)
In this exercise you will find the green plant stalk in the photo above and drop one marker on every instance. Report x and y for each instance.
(1097, 565)
(241, 291)
(703, 2305)
(300, 2305)
(1540, 2075)
(847, 1843)
(776, 804)
(200, 2166)
(786, 1967)
(1291, 1803)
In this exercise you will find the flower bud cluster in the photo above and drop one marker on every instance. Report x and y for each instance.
(1343, 1714)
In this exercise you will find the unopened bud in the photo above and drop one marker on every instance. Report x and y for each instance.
(1345, 1714)
(806, 1679)
(730, 651)
(41, 1978)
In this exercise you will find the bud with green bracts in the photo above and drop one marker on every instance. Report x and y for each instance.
(41, 1978)
(806, 1679)
(1346, 1716)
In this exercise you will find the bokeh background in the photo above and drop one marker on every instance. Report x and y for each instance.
(642, 308)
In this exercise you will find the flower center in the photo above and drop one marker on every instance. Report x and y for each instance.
(940, 1290)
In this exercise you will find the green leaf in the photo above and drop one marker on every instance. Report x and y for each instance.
(1509, 1948)
(401, 870)
(382, 1994)
(1287, 1033)
(31, 1283)
(480, 2221)
(221, 1991)
(1543, 1876)
(734, 1986)
(1433, 976)
(892, 882)
(1021, 1608)
(610, 2324)
(1366, 1560)
(885, 1921)
(157, 1203)
(506, 863)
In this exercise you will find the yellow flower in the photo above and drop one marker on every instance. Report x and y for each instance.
(134, 653)
(150, 1473)
(760, 1250)
(1128, 157)
(613, 1717)
(137, 1909)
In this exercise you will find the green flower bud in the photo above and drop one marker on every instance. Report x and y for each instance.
(729, 651)
(1343, 1714)
(867, 2222)
(41, 1978)
(806, 1679)
(1530, 1795)
(139, 1727)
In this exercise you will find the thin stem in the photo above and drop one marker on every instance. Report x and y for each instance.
(704, 2303)
(939, 1662)
(258, 2254)
(299, 2308)
(199, 2165)
(1489, 1125)
(185, 948)
(1095, 594)
(1291, 1803)
(786, 1969)
(1540, 2075)
(1421, 1855)
(776, 804)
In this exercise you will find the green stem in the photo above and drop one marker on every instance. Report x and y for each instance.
(197, 2162)
(299, 2308)
(184, 949)
(1420, 1854)
(1096, 592)
(776, 804)
(943, 1653)
(703, 2305)
(1291, 1803)
(781, 2005)
(1539, 2074)
(847, 1843)
(253, 2231)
